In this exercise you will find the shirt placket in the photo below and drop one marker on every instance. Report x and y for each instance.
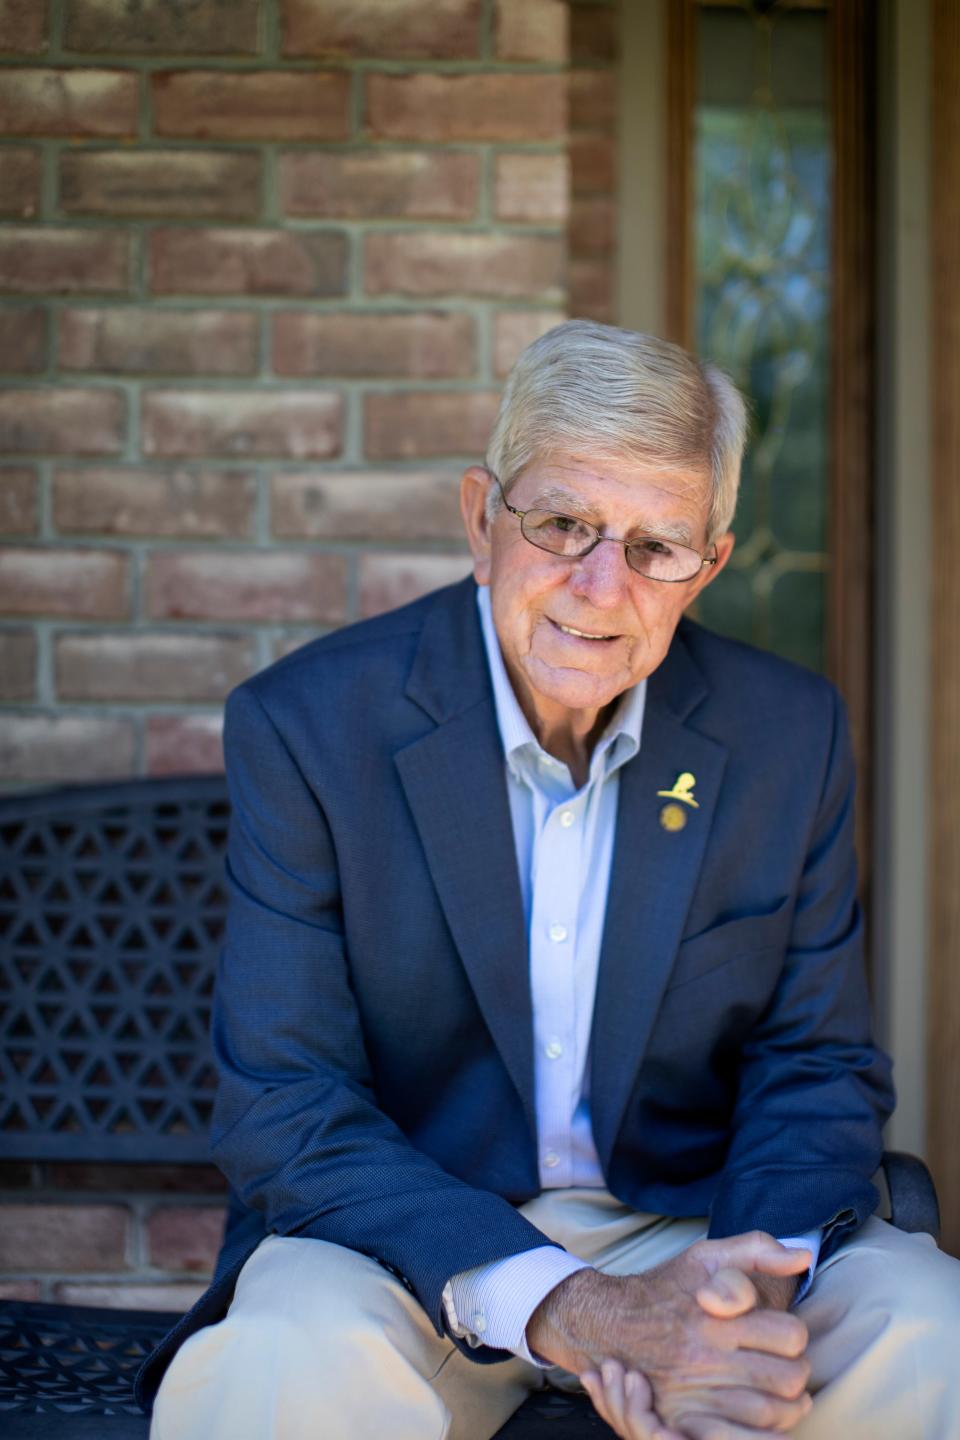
(553, 933)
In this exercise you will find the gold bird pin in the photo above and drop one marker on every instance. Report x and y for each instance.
(682, 790)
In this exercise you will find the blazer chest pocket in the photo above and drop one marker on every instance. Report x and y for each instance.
(729, 941)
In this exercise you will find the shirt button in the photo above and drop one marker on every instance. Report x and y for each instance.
(479, 1322)
(553, 1050)
(558, 933)
(551, 1159)
(567, 818)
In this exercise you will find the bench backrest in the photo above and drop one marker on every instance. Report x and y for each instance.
(112, 907)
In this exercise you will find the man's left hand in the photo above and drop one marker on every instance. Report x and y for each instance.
(624, 1398)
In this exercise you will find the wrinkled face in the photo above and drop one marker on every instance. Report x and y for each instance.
(625, 621)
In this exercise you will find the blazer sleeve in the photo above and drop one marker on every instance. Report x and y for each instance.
(814, 1091)
(296, 1126)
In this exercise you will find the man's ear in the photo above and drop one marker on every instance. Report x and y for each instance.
(724, 547)
(474, 488)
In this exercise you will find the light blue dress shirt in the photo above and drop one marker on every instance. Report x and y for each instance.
(564, 841)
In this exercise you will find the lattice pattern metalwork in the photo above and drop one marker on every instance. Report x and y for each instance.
(72, 1360)
(112, 908)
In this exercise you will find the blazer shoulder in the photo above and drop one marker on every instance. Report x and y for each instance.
(750, 679)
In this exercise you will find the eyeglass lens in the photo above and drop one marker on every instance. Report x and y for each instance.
(565, 535)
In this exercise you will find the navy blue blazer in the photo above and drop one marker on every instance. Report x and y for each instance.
(373, 1016)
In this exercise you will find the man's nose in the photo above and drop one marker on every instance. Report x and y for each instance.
(602, 576)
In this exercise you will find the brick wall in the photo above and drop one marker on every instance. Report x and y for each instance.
(135, 1237)
(263, 267)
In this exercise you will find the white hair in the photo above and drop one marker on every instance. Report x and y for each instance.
(596, 389)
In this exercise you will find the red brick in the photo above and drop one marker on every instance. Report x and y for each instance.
(18, 501)
(248, 262)
(514, 330)
(593, 165)
(426, 346)
(142, 666)
(62, 261)
(440, 29)
(411, 505)
(164, 1295)
(62, 422)
(162, 184)
(203, 27)
(38, 1237)
(184, 744)
(593, 225)
(594, 38)
(264, 105)
(533, 30)
(292, 424)
(19, 1289)
(368, 184)
(431, 263)
(592, 289)
(466, 107)
(532, 188)
(19, 182)
(185, 1237)
(23, 25)
(415, 424)
(593, 101)
(79, 584)
(252, 585)
(387, 581)
(18, 665)
(121, 1178)
(68, 103)
(180, 503)
(146, 341)
(23, 340)
(44, 749)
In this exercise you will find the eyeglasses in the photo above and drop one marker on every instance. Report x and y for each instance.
(652, 556)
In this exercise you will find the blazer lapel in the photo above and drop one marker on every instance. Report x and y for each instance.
(653, 877)
(455, 784)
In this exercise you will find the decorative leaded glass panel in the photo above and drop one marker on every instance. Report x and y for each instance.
(762, 278)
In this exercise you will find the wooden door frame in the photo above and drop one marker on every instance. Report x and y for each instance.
(943, 1087)
(851, 519)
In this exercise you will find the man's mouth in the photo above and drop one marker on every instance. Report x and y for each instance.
(580, 634)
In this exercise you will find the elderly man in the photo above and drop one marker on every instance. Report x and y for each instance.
(541, 1023)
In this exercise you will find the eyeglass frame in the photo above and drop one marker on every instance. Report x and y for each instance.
(657, 579)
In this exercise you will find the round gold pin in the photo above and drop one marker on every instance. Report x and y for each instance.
(673, 817)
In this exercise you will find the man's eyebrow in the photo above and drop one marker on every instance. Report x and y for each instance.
(554, 497)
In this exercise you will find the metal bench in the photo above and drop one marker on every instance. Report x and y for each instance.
(111, 914)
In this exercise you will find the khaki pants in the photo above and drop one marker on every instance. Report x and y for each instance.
(321, 1343)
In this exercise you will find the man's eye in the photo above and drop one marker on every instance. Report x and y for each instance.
(563, 523)
(650, 546)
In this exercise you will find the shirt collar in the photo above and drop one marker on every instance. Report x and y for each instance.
(619, 742)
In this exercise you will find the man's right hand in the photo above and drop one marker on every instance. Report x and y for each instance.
(746, 1369)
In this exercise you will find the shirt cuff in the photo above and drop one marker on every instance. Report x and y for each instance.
(492, 1304)
(810, 1241)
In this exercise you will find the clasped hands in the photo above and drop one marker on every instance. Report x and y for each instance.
(699, 1348)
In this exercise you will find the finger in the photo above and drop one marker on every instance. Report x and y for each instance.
(644, 1423)
(611, 1373)
(777, 1332)
(763, 1412)
(727, 1293)
(756, 1251)
(753, 1370)
(711, 1427)
(593, 1384)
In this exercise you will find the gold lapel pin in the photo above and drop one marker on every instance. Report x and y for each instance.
(682, 791)
(673, 817)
